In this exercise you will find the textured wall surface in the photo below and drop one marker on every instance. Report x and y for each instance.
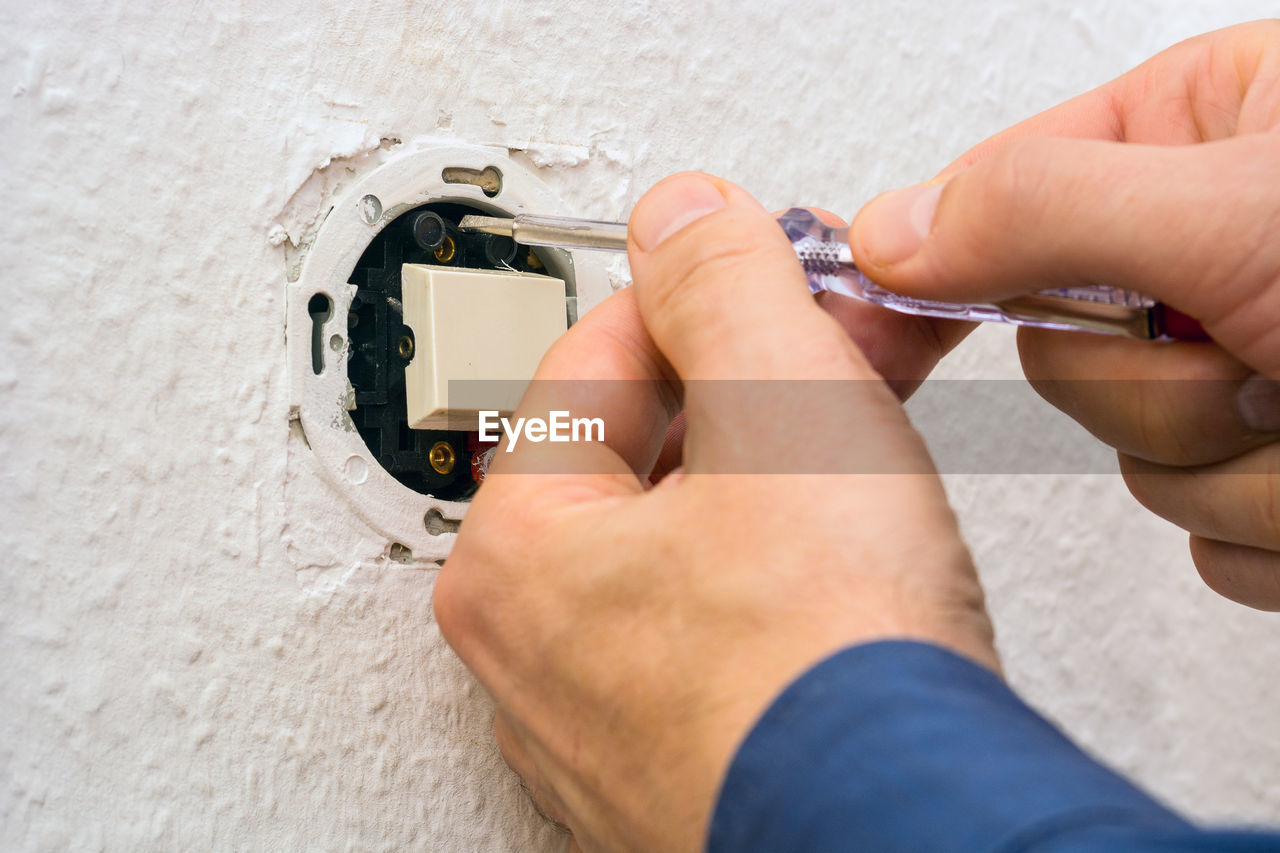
(199, 645)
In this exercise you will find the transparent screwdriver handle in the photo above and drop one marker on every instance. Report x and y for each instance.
(828, 263)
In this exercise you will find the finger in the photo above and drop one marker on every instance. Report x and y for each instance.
(1236, 501)
(1190, 225)
(672, 453)
(902, 348)
(725, 299)
(1177, 404)
(718, 284)
(1250, 576)
(605, 367)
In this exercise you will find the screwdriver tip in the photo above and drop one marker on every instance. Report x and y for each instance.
(488, 225)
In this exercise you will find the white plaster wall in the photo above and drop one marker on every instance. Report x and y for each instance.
(199, 645)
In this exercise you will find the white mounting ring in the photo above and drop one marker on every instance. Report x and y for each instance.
(319, 401)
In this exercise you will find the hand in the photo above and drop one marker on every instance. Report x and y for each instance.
(630, 636)
(1187, 211)
(901, 348)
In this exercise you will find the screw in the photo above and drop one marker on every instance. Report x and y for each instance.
(446, 250)
(404, 346)
(442, 457)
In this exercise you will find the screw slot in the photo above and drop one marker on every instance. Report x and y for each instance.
(320, 307)
(437, 524)
(488, 179)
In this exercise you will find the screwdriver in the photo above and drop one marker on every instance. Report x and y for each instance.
(827, 260)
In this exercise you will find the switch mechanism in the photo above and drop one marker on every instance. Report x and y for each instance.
(478, 337)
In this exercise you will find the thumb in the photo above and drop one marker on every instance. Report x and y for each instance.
(1192, 226)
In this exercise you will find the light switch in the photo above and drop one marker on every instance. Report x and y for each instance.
(484, 325)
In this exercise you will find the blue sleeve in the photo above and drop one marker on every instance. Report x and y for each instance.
(903, 746)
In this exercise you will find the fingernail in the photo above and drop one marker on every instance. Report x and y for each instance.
(672, 205)
(1258, 403)
(893, 227)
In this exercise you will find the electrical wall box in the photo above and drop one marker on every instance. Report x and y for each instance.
(349, 339)
(484, 331)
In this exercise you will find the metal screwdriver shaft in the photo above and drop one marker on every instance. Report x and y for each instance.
(559, 231)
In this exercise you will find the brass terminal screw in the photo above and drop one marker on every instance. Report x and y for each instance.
(404, 346)
(446, 250)
(442, 457)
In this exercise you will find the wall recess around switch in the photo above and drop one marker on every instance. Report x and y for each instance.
(348, 345)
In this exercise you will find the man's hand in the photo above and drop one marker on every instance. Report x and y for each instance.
(1162, 181)
(630, 635)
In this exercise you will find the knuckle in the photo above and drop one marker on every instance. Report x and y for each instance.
(1147, 483)
(456, 596)
(1244, 280)
(693, 274)
(718, 246)
(1020, 185)
(1266, 491)
(448, 602)
(991, 209)
(1159, 434)
(504, 532)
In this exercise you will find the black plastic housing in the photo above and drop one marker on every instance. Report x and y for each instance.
(378, 351)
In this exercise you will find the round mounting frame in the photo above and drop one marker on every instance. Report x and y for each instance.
(320, 393)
